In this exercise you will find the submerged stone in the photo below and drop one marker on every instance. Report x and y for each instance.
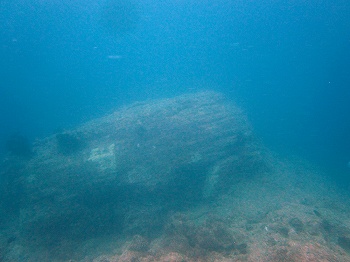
(135, 165)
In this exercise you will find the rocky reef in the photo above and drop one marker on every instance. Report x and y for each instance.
(181, 179)
(123, 173)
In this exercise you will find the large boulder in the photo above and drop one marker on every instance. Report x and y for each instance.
(121, 173)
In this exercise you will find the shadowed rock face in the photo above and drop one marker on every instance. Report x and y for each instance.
(136, 164)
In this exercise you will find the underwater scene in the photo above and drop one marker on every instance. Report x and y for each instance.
(174, 130)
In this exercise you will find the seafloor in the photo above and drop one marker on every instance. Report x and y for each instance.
(180, 179)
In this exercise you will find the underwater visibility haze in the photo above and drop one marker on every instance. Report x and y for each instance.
(176, 130)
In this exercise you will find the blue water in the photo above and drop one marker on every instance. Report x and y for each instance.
(285, 62)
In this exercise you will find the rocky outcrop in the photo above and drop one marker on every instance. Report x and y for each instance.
(123, 172)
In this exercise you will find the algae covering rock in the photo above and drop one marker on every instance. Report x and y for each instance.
(133, 166)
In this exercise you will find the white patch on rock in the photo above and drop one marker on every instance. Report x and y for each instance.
(104, 157)
(211, 182)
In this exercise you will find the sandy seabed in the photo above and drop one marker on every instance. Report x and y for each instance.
(295, 215)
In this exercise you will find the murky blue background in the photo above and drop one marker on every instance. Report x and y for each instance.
(287, 63)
